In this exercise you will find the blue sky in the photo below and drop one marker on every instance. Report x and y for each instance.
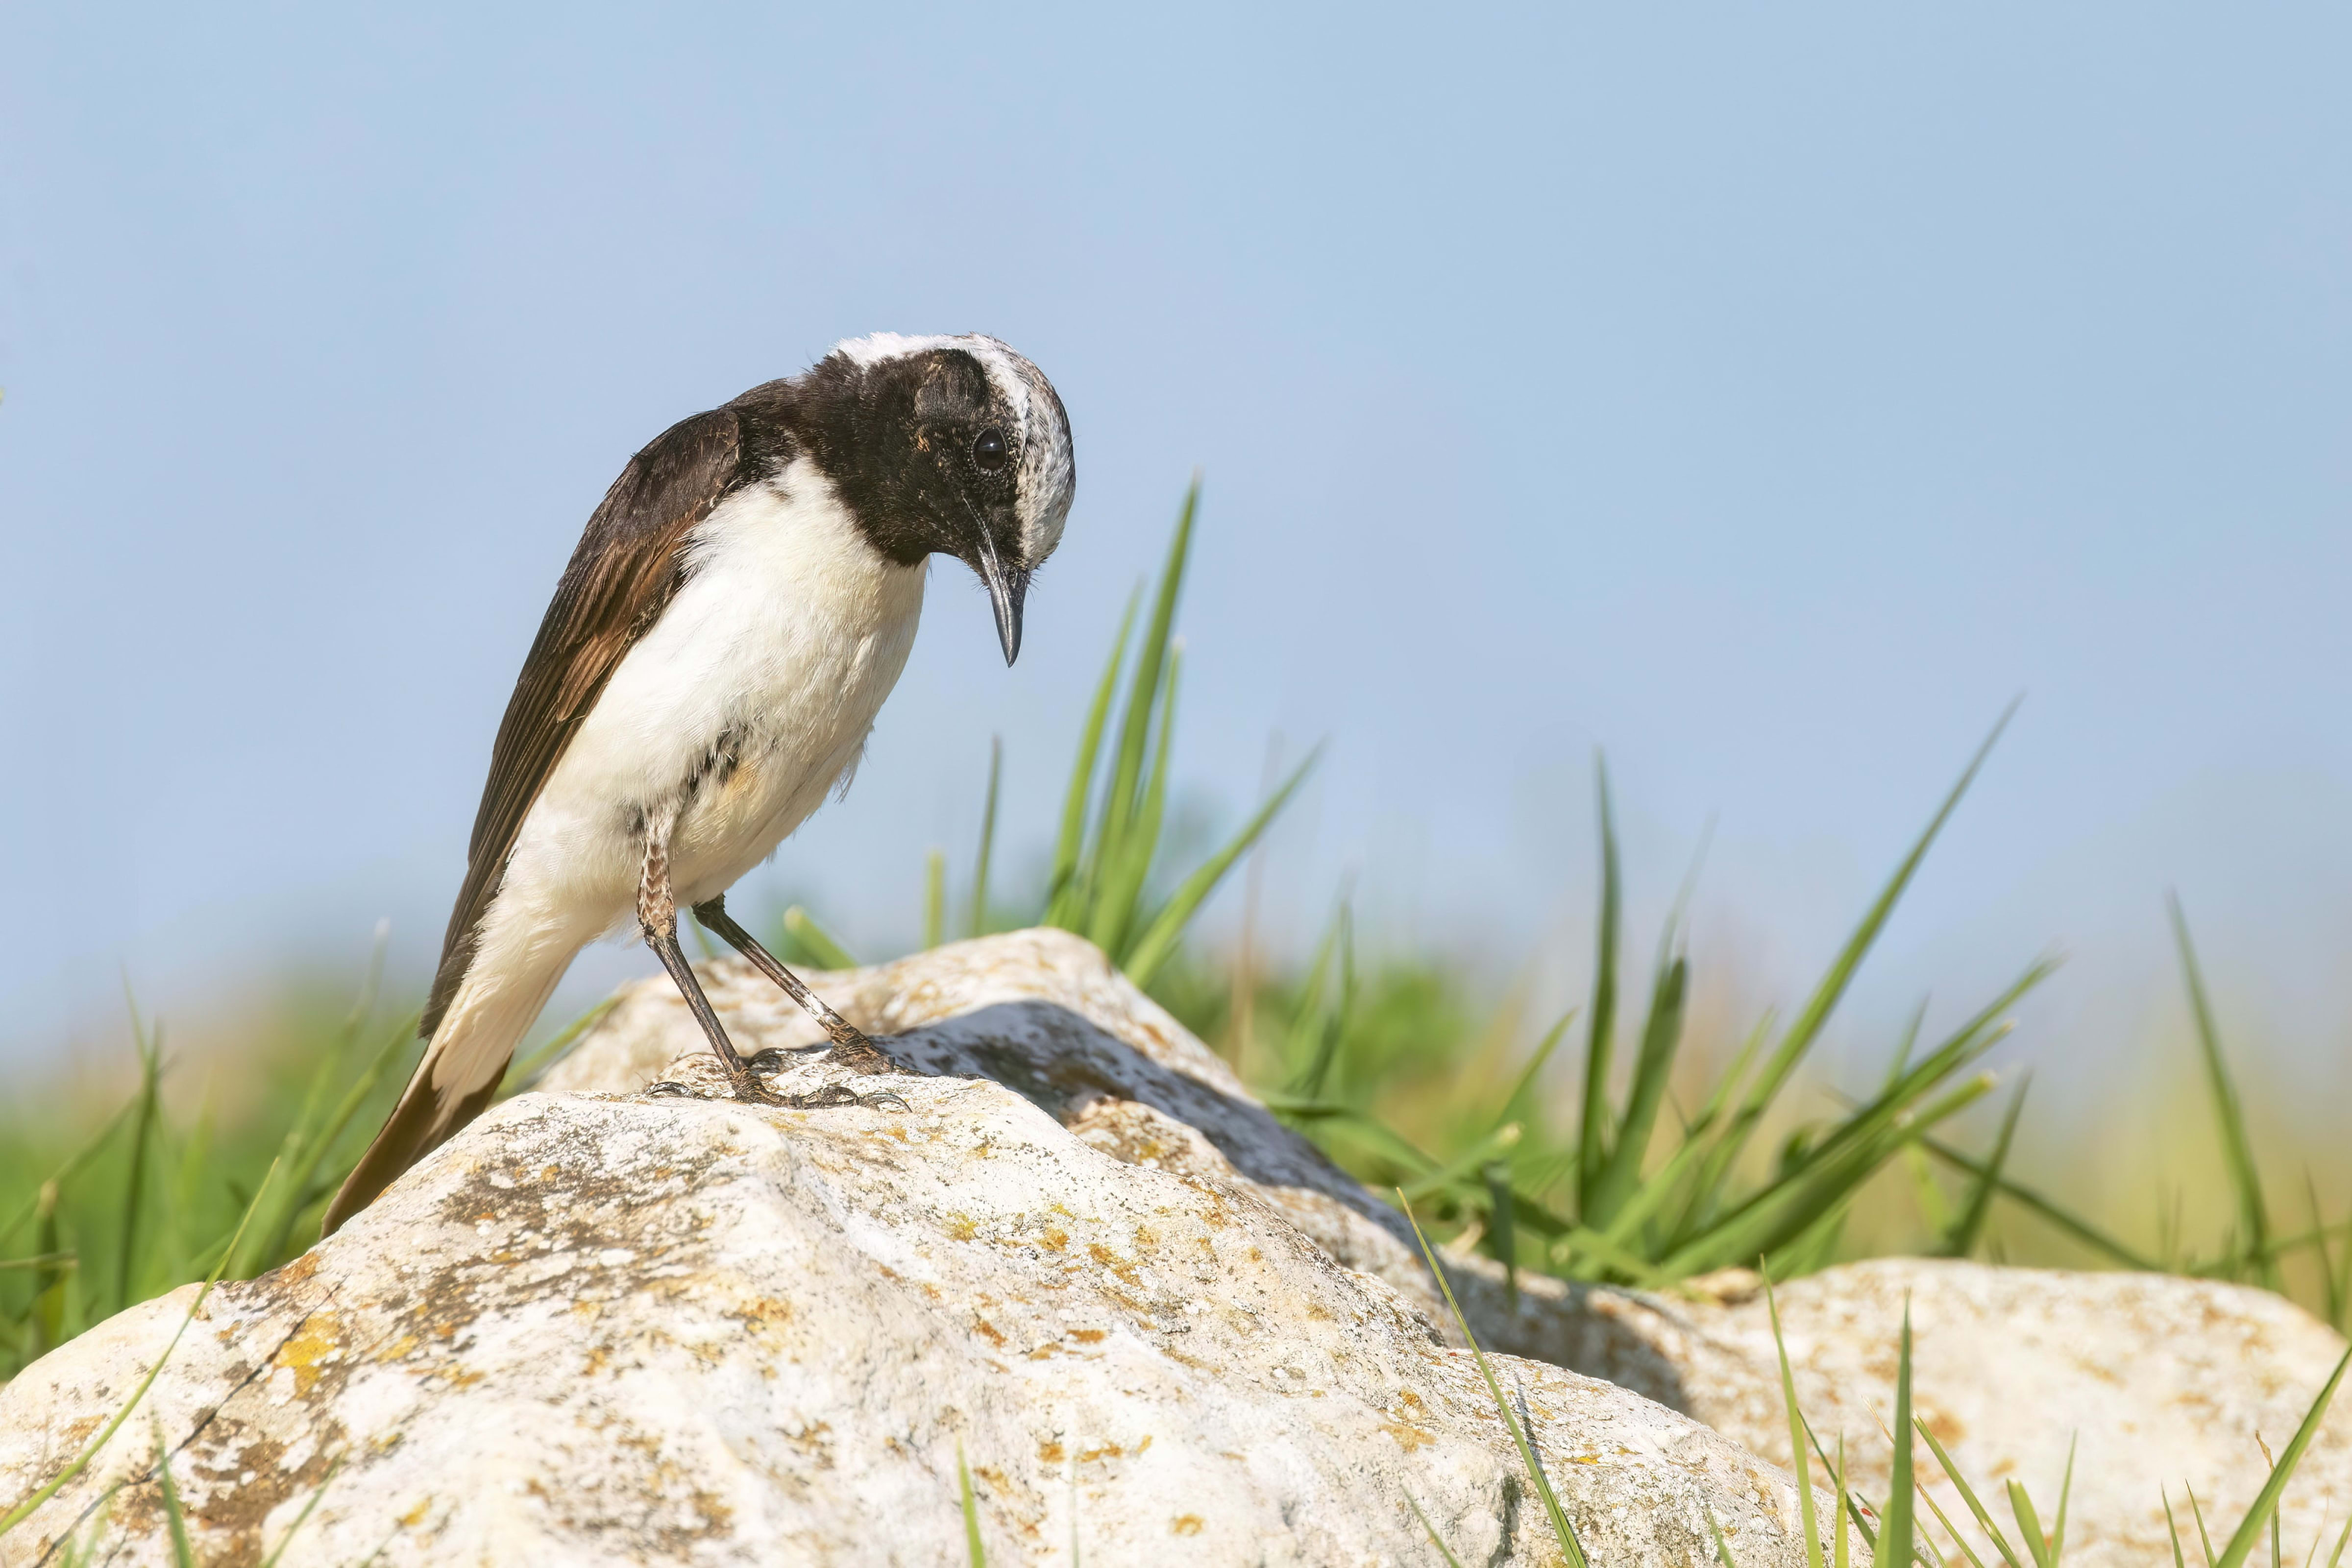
(1767, 396)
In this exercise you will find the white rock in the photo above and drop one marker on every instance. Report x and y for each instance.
(603, 1329)
(2160, 1382)
(2168, 1381)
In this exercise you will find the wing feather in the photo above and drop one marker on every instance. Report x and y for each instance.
(622, 577)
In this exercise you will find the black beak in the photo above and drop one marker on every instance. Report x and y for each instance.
(1006, 591)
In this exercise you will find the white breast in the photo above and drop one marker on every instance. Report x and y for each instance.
(749, 697)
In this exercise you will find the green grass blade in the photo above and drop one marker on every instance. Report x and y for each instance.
(322, 1145)
(2172, 1529)
(1967, 1496)
(2055, 1214)
(143, 1136)
(2029, 1524)
(2242, 1543)
(2331, 1290)
(1967, 1230)
(24, 1507)
(1828, 1177)
(175, 1519)
(302, 1518)
(1661, 1040)
(1514, 1103)
(1564, 1533)
(1951, 1530)
(1502, 1227)
(1123, 802)
(71, 1167)
(2344, 1539)
(1063, 895)
(1329, 1024)
(2065, 1496)
(815, 941)
(1813, 1523)
(1895, 1529)
(2229, 1110)
(1463, 1166)
(972, 1541)
(2198, 1513)
(1120, 890)
(1722, 1547)
(977, 924)
(1434, 1539)
(1580, 1240)
(1167, 929)
(1805, 1030)
(1838, 1554)
(1601, 1023)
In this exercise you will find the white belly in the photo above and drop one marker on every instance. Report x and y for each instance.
(749, 698)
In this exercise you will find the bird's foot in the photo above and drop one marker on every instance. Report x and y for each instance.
(745, 1087)
(842, 1094)
(853, 1050)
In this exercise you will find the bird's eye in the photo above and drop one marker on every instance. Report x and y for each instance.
(990, 452)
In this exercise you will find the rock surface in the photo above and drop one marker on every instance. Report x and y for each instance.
(2168, 1381)
(608, 1328)
(2163, 1381)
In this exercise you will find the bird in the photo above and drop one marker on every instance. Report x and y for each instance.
(738, 607)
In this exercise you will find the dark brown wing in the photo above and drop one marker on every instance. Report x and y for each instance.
(621, 578)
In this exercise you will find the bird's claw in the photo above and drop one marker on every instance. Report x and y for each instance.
(751, 1091)
(833, 1094)
(670, 1088)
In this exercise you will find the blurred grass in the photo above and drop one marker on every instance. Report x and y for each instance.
(1641, 1138)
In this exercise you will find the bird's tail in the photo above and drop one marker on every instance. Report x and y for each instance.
(461, 1069)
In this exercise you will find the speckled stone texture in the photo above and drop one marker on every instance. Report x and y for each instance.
(600, 1329)
(2166, 1381)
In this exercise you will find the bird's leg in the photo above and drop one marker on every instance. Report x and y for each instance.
(851, 1047)
(657, 918)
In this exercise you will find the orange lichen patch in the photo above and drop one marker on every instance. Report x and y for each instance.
(1186, 1524)
(962, 1226)
(761, 1313)
(1049, 1453)
(1095, 1456)
(1045, 1351)
(297, 1271)
(1143, 1445)
(1145, 1236)
(1088, 1336)
(1948, 1428)
(1054, 1238)
(416, 1516)
(312, 1345)
(1318, 1310)
(1408, 1398)
(1109, 1260)
(989, 1329)
(1408, 1437)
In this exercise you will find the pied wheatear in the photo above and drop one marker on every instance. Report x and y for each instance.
(737, 611)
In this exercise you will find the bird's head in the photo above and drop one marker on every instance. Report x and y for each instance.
(947, 445)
